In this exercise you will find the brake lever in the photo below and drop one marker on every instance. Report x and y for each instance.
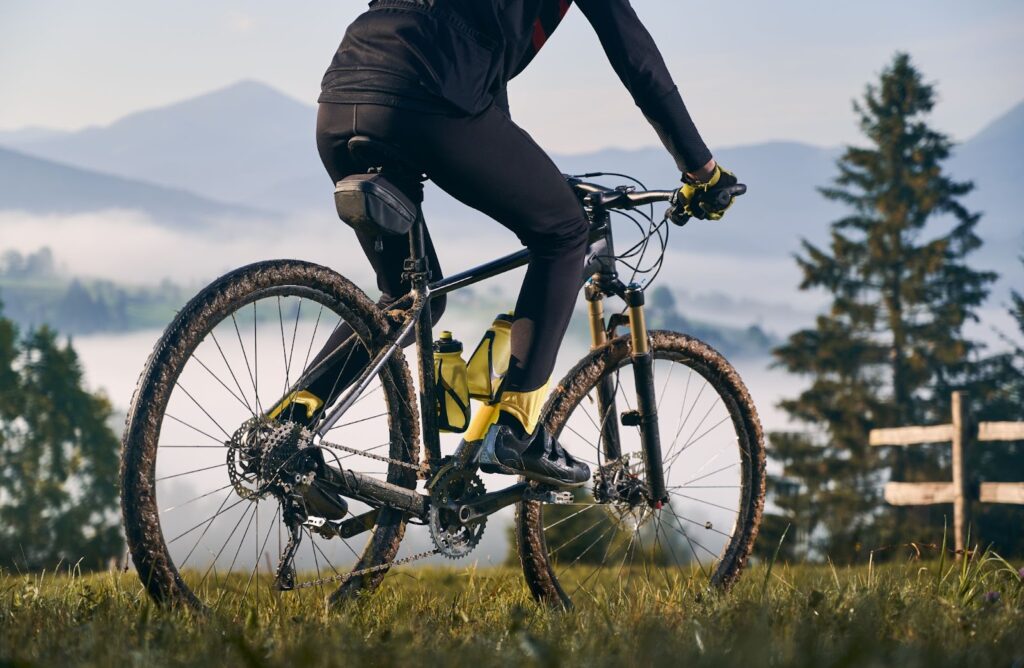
(674, 214)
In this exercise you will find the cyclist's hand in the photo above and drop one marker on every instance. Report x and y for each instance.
(706, 200)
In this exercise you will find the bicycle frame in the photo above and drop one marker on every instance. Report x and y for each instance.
(604, 281)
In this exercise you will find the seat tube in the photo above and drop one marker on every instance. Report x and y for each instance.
(419, 277)
(646, 399)
(611, 444)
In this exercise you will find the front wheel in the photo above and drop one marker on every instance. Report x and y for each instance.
(611, 539)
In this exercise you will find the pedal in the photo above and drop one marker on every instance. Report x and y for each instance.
(325, 527)
(560, 497)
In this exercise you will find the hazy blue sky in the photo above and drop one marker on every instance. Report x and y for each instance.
(750, 70)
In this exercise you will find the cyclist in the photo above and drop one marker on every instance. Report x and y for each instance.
(430, 77)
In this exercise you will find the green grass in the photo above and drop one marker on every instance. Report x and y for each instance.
(907, 615)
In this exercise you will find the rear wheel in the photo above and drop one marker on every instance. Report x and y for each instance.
(197, 531)
(610, 540)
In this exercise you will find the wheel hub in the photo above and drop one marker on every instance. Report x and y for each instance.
(620, 487)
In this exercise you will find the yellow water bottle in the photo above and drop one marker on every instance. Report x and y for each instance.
(452, 385)
(490, 360)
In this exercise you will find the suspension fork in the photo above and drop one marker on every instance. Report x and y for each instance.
(646, 398)
(606, 408)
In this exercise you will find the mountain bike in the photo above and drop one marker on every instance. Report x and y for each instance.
(215, 489)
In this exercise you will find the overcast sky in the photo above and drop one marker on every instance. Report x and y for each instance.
(749, 70)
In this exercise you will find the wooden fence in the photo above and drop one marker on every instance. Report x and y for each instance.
(963, 433)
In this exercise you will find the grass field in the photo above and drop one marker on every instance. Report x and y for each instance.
(907, 615)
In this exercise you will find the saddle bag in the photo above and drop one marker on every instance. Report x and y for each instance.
(373, 205)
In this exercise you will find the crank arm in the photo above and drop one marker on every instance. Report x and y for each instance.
(476, 510)
(356, 525)
(353, 526)
(489, 503)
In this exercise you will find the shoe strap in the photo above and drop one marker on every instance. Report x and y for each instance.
(554, 450)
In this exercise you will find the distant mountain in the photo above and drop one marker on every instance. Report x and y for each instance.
(29, 134)
(251, 145)
(232, 144)
(781, 205)
(994, 160)
(35, 185)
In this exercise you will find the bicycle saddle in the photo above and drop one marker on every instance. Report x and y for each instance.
(371, 153)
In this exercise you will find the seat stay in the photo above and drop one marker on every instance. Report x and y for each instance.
(361, 384)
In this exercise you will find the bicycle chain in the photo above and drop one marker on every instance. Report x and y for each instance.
(343, 578)
(379, 458)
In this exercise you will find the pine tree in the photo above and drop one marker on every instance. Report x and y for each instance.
(58, 458)
(891, 347)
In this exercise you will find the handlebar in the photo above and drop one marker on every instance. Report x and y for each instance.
(624, 198)
(607, 198)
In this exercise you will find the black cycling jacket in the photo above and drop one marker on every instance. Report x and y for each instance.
(459, 55)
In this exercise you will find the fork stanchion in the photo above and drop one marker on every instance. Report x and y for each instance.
(647, 405)
(607, 411)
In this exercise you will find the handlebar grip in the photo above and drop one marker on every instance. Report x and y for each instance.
(724, 196)
(719, 200)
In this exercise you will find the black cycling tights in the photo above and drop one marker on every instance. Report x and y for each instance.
(489, 163)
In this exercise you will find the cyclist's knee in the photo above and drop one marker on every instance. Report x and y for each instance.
(565, 238)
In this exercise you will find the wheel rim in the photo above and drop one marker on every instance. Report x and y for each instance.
(225, 547)
(610, 543)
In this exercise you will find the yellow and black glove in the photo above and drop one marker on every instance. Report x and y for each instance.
(706, 200)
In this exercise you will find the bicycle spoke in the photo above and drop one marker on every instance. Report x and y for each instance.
(214, 516)
(203, 409)
(195, 429)
(565, 519)
(704, 501)
(703, 525)
(226, 541)
(222, 384)
(252, 379)
(366, 419)
(213, 335)
(708, 475)
(212, 519)
(195, 498)
(204, 447)
(178, 475)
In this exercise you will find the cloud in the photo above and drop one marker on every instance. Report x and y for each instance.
(129, 247)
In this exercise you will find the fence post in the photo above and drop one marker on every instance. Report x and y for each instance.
(961, 444)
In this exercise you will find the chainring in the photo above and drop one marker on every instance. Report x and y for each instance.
(450, 489)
